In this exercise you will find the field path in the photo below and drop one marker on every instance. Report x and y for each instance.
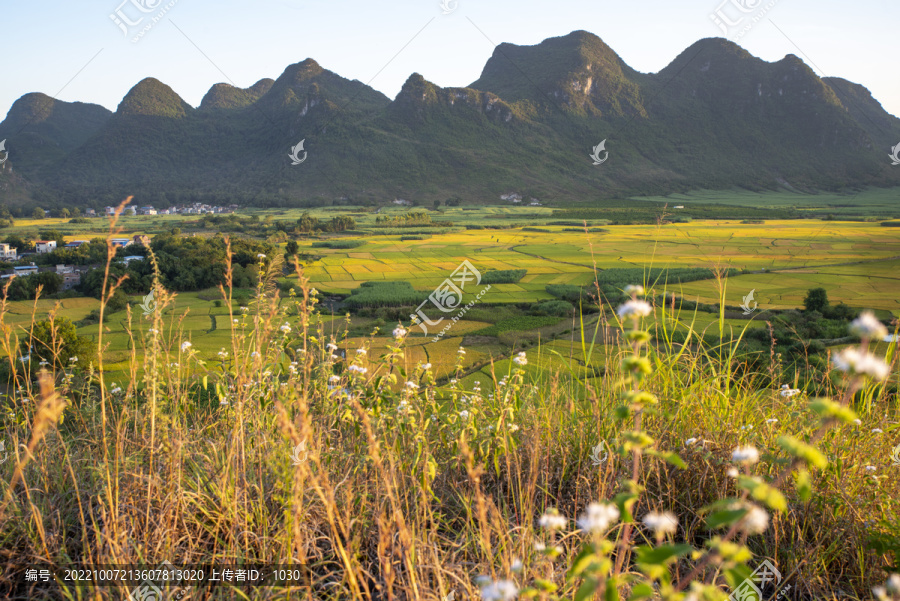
(522, 252)
(895, 258)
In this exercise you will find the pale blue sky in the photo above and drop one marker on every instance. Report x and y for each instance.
(47, 42)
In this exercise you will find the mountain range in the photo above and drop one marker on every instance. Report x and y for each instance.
(715, 118)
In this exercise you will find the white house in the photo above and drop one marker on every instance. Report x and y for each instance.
(44, 246)
(8, 253)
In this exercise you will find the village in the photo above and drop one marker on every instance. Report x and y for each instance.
(70, 274)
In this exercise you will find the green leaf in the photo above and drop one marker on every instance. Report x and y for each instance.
(587, 589)
(641, 591)
(669, 457)
(545, 585)
(725, 517)
(808, 453)
(661, 554)
(612, 589)
(581, 562)
(803, 485)
(763, 493)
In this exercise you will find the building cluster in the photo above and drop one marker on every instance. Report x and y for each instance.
(197, 208)
(517, 198)
(71, 274)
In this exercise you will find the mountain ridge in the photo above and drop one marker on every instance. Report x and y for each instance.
(714, 117)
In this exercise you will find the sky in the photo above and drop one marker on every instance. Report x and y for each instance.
(76, 52)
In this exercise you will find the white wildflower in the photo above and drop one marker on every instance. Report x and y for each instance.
(286, 328)
(502, 590)
(868, 326)
(634, 308)
(771, 420)
(461, 351)
(755, 521)
(870, 468)
(260, 256)
(852, 361)
(427, 366)
(334, 379)
(517, 565)
(877, 431)
(598, 517)
(399, 332)
(748, 455)
(357, 369)
(633, 289)
(689, 442)
(361, 351)
(858, 422)
(661, 522)
(464, 414)
(331, 347)
(732, 472)
(73, 359)
(520, 359)
(551, 520)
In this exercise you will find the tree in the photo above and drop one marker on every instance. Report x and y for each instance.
(64, 213)
(816, 300)
(437, 204)
(56, 342)
(37, 213)
(291, 248)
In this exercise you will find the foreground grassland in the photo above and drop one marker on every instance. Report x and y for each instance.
(683, 470)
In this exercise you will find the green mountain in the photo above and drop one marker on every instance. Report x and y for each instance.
(716, 117)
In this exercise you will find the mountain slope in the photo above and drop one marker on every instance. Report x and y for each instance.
(41, 131)
(715, 117)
